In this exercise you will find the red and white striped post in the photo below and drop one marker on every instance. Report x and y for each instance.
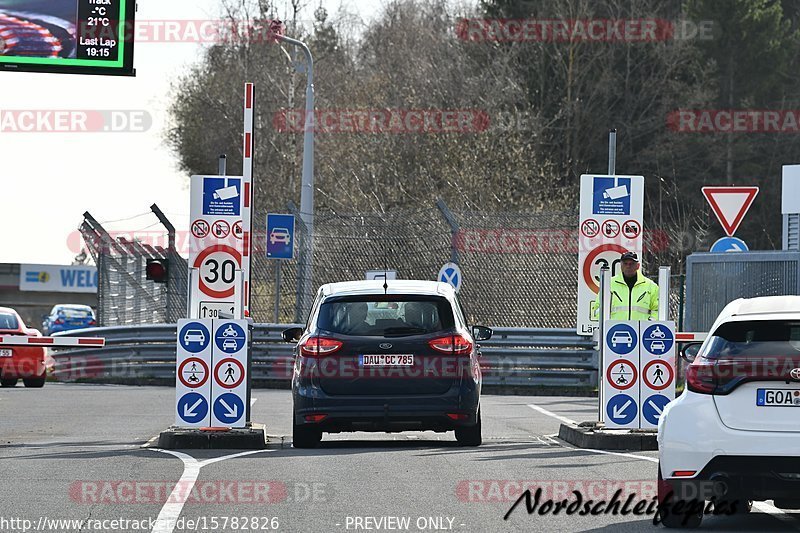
(14, 340)
(247, 211)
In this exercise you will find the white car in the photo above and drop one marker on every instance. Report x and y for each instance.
(194, 335)
(733, 436)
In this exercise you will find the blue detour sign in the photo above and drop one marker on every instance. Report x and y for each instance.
(729, 244)
(621, 409)
(192, 408)
(228, 408)
(653, 406)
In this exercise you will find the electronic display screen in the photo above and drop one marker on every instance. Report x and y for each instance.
(67, 36)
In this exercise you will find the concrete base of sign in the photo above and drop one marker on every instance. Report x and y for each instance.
(592, 435)
(251, 438)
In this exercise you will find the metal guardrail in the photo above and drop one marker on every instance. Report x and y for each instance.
(514, 357)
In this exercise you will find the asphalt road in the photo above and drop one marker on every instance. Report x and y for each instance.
(75, 452)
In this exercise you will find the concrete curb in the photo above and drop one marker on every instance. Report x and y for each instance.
(588, 437)
(252, 438)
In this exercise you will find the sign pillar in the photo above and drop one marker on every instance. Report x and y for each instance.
(611, 221)
(621, 374)
(657, 363)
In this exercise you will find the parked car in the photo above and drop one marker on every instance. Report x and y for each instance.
(67, 317)
(399, 358)
(733, 434)
(20, 362)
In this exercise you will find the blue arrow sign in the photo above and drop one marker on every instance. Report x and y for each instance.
(451, 273)
(280, 236)
(653, 406)
(621, 409)
(230, 337)
(228, 408)
(658, 339)
(621, 339)
(194, 337)
(729, 244)
(192, 408)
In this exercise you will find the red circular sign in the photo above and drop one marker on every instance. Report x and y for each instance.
(631, 229)
(200, 228)
(189, 377)
(621, 380)
(229, 373)
(203, 256)
(610, 228)
(590, 228)
(221, 229)
(237, 230)
(666, 382)
(587, 264)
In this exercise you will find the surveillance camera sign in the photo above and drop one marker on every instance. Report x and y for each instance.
(222, 196)
(611, 212)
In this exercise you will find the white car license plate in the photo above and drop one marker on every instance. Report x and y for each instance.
(5, 353)
(778, 398)
(386, 359)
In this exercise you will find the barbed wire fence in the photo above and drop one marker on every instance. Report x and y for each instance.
(519, 269)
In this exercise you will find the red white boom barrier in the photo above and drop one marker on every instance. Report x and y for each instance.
(690, 337)
(12, 340)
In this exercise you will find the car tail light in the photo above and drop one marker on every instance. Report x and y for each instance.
(452, 344)
(92, 322)
(684, 473)
(58, 321)
(700, 376)
(316, 418)
(319, 346)
(457, 416)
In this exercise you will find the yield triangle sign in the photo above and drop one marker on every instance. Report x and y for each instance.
(730, 204)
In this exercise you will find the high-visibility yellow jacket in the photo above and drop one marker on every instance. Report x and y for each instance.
(639, 303)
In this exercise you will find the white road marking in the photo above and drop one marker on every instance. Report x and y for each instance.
(168, 517)
(552, 414)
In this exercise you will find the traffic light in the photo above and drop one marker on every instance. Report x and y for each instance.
(157, 270)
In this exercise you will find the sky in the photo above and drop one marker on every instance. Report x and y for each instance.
(50, 179)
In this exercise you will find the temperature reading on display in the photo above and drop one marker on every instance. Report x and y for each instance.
(99, 22)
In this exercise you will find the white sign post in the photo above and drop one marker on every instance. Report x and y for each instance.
(639, 372)
(611, 223)
(217, 246)
(211, 373)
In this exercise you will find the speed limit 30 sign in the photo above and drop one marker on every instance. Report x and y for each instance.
(216, 253)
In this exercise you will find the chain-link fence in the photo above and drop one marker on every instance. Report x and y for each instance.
(519, 269)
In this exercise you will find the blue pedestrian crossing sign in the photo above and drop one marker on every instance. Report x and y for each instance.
(621, 410)
(228, 408)
(451, 273)
(192, 408)
(621, 339)
(729, 244)
(658, 339)
(194, 337)
(653, 406)
(230, 338)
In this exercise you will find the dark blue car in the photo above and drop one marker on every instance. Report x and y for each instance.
(394, 358)
(66, 317)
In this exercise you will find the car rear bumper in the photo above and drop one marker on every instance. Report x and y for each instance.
(22, 367)
(388, 413)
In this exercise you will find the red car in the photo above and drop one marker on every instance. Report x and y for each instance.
(25, 362)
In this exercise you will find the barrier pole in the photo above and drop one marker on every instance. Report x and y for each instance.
(605, 309)
(663, 292)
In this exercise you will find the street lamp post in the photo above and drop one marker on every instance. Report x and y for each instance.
(306, 268)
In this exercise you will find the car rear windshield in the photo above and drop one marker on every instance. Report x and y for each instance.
(75, 312)
(755, 338)
(8, 321)
(388, 317)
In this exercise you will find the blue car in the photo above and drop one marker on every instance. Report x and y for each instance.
(66, 317)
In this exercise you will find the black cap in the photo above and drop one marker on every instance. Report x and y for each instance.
(630, 255)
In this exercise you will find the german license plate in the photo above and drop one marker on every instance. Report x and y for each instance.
(777, 398)
(386, 359)
(5, 353)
